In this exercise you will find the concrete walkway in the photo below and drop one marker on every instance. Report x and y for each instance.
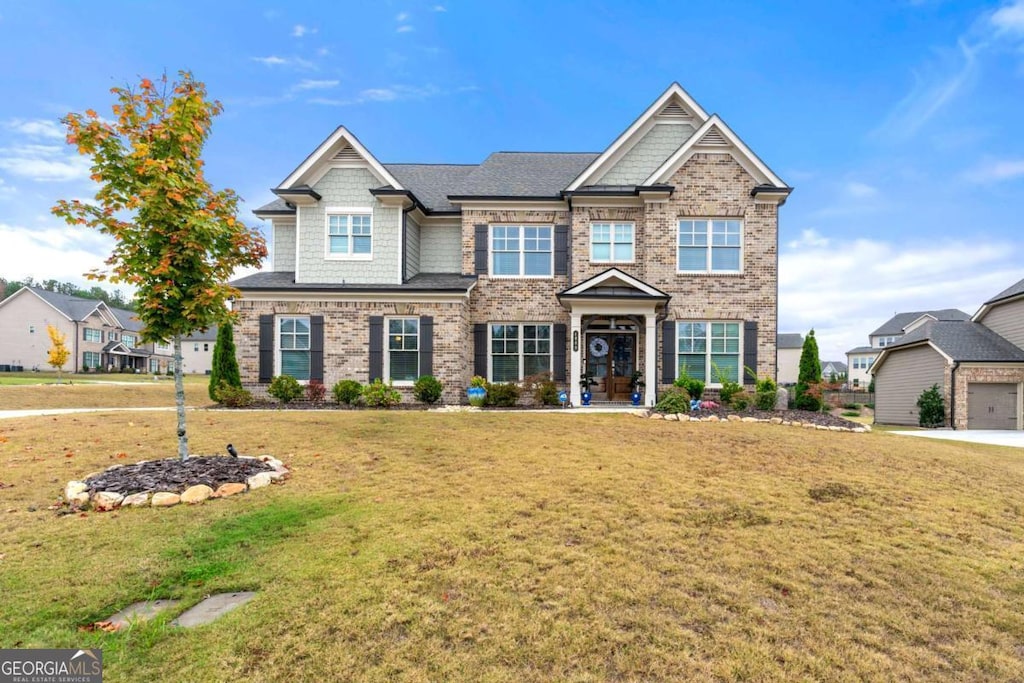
(993, 437)
(9, 414)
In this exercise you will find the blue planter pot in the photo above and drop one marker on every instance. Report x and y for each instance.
(636, 397)
(585, 397)
(476, 396)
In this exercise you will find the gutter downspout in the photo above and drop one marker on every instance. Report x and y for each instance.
(952, 394)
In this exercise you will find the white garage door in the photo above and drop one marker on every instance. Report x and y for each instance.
(991, 406)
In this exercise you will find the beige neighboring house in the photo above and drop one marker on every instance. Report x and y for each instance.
(658, 253)
(97, 336)
(197, 352)
(790, 345)
(978, 365)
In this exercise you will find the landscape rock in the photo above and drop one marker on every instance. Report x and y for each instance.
(657, 416)
(714, 418)
(672, 416)
(196, 494)
(74, 488)
(734, 418)
(230, 489)
(821, 428)
(748, 419)
(79, 499)
(136, 500)
(781, 399)
(258, 481)
(163, 499)
(106, 500)
(279, 475)
(775, 420)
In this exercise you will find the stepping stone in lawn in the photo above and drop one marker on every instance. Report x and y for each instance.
(213, 607)
(140, 611)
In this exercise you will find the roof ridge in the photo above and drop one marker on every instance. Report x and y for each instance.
(424, 163)
(521, 151)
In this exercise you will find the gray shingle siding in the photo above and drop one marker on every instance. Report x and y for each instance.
(441, 249)
(284, 246)
(412, 247)
(647, 154)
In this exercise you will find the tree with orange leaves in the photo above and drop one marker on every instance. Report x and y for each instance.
(176, 240)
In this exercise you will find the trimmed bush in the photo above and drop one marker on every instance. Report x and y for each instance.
(427, 389)
(809, 376)
(376, 394)
(728, 390)
(740, 401)
(931, 408)
(225, 365)
(543, 388)
(502, 395)
(315, 391)
(675, 400)
(691, 385)
(232, 397)
(764, 393)
(285, 388)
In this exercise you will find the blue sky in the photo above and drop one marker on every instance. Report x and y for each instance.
(898, 122)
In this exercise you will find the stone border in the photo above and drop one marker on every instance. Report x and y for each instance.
(683, 417)
(76, 493)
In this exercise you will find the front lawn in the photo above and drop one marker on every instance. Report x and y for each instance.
(80, 393)
(528, 547)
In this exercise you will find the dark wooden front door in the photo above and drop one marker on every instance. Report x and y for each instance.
(611, 357)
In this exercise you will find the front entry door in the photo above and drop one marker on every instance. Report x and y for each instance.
(611, 359)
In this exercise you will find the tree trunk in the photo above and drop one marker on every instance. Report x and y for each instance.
(179, 400)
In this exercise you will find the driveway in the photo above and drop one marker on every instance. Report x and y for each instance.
(994, 437)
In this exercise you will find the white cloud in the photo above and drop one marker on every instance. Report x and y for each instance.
(43, 163)
(402, 16)
(995, 170)
(846, 288)
(1009, 18)
(37, 128)
(439, 8)
(300, 30)
(860, 190)
(309, 84)
(391, 93)
(405, 29)
(61, 253)
(274, 60)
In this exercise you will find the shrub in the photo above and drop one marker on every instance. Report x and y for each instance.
(427, 389)
(675, 400)
(932, 408)
(543, 389)
(504, 395)
(478, 382)
(224, 366)
(315, 391)
(347, 392)
(851, 406)
(285, 388)
(764, 393)
(809, 376)
(376, 394)
(232, 396)
(851, 413)
(871, 386)
(740, 401)
(728, 390)
(810, 398)
(691, 385)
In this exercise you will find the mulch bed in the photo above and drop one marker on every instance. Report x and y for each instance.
(175, 476)
(805, 416)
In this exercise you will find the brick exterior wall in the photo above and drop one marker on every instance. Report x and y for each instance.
(967, 374)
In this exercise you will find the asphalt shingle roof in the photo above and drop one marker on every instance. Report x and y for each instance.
(895, 324)
(431, 183)
(964, 341)
(278, 206)
(1009, 292)
(524, 174)
(428, 282)
(863, 349)
(78, 309)
(789, 340)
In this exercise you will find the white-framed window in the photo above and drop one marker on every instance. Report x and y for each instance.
(709, 351)
(91, 359)
(154, 365)
(886, 341)
(522, 251)
(709, 245)
(611, 242)
(162, 347)
(519, 350)
(293, 346)
(402, 361)
(195, 347)
(128, 340)
(92, 335)
(349, 233)
(206, 346)
(112, 335)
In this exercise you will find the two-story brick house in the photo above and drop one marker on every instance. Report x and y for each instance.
(659, 253)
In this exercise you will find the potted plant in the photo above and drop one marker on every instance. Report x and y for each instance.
(586, 381)
(637, 382)
(477, 391)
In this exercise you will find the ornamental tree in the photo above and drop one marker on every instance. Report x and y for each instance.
(225, 364)
(176, 240)
(809, 375)
(58, 354)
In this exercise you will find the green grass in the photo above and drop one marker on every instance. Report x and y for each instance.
(529, 547)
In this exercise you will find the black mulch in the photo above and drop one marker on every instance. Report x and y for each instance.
(175, 476)
(805, 416)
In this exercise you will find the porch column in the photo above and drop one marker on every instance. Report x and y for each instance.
(575, 358)
(650, 359)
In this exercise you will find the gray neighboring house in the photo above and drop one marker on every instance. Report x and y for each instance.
(978, 364)
(832, 367)
(860, 360)
(789, 346)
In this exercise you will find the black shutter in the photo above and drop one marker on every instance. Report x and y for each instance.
(266, 348)
(480, 250)
(316, 348)
(480, 349)
(558, 354)
(749, 351)
(426, 345)
(668, 351)
(561, 250)
(376, 346)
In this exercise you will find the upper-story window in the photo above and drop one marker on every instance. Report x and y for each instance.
(886, 341)
(92, 335)
(710, 246)
(349, 233)
(403, 356)
(521, 251)
(128, 340)
(611, 242)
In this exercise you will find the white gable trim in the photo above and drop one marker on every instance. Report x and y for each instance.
(736, 148)
(26, 289)
(322, 156)
(614, 273)
(888, 351)
(644, 123)
(917, 322)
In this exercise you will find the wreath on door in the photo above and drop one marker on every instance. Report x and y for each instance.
(598, 347)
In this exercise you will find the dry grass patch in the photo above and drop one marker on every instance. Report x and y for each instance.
(530, 547)
(151, 394)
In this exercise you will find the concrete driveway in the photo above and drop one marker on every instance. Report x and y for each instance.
(994, 437)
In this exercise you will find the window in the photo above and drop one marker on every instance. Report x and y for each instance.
(206, 347)
(91, 335)
(163, 347)
(403, 357)
(611, 242)
(112, 335)
(128, 340)
(350, 235)
(709, 351)
(195, 347)
(293, 345)
(154, 365)
(91, 359)
(518, 351)
(710, 246)
(521, 250)
(886, 341)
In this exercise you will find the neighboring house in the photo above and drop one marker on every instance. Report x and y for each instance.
(197, 351)
(832, 368)
(860, 360)
(97, 336)
(658, 253)
(789, 345)
(978, 365)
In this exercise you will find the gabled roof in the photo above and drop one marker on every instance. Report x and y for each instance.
(838, 365)
(958, 340)
(523, 174)
(789, 340)
(347, 148)
(863, 349)
(674, 96)
(1012, 292)
(278, 207)
(432, 183)
(613, 284)
(894, 325)
(78, 309)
